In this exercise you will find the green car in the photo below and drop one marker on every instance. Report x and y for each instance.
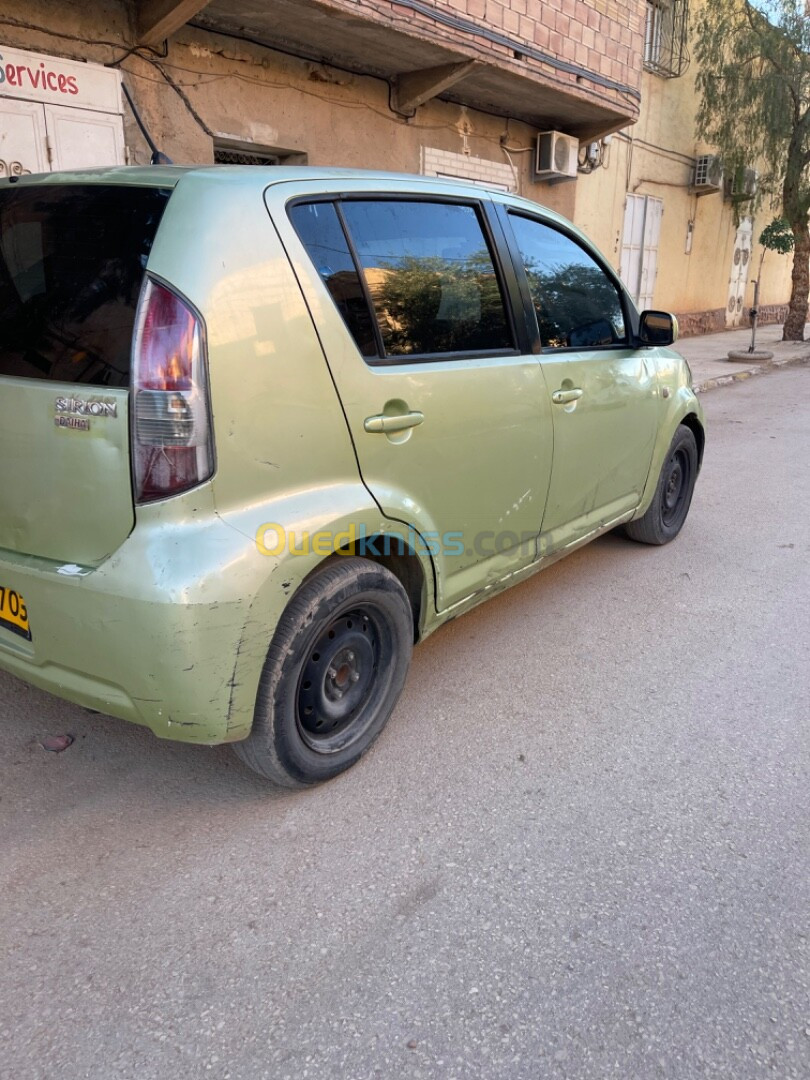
(263, 429)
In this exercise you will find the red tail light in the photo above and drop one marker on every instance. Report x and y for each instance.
(171, 423)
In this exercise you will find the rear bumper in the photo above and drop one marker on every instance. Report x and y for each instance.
(153, 635)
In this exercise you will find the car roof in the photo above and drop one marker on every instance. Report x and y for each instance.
(263, 176)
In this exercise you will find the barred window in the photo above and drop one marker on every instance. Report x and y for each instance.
(231, 152)
(665, 38)
(224, 156)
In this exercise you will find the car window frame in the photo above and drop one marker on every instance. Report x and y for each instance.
(497, 245)
(505, 211)
(332, 199)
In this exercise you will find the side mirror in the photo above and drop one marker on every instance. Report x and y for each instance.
(657, 328)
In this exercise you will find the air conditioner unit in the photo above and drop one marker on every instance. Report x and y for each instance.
(742, 186)
(556, 157)
(708, 174)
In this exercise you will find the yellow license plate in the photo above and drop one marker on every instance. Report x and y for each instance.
(13, 613)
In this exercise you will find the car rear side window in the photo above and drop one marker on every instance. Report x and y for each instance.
(321, 233)
(72, 259)
(430, 276)
(577, 304)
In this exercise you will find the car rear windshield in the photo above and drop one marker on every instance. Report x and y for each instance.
(72, 260)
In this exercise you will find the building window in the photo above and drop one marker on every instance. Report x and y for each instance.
(665, 38)
(243, 157)
(652, 33)
(229, 152)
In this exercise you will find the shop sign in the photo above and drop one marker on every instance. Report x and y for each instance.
(54, 81)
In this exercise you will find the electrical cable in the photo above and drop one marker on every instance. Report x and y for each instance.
(205, 79)
(144, 131)
(462, 24)
(415, 5)
(183, 97)
(685, 158)
(39, 29)
(512, 167)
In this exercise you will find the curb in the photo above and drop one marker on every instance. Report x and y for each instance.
(747, 373)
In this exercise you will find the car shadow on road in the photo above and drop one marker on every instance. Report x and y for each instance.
(109, 758)
(112, 762)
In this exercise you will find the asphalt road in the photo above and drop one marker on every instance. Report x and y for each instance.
(580, 850)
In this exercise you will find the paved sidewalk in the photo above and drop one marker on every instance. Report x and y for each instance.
(707, 354)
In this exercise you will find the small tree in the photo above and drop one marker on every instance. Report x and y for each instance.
(754, 82)
(778, 236)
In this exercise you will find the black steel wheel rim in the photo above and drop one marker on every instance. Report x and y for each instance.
(676, 486)
(339, 681)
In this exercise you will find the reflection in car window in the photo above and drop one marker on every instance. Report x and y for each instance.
(430, 276)
(321, 233)
(576, 303)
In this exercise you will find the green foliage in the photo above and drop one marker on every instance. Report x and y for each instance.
(778, 236)
(437, 304)
(754, 82)
(429, 305)
(575, 305)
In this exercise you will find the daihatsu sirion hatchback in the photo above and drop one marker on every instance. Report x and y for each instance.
(263, 429)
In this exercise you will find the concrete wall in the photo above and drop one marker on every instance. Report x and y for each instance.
(247, 93)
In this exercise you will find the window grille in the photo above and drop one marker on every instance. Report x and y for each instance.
(666, 50)
(224, 156)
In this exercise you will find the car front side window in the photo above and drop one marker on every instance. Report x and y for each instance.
(577, 305)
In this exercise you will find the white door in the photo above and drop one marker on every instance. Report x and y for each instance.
(23, 146)
(738, 280)
(640, 237)
(82, 139)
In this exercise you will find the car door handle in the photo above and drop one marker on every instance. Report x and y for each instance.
(561, 397)
(383, 423)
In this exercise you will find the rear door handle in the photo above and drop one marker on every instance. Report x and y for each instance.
(383, 423)
(561, 397)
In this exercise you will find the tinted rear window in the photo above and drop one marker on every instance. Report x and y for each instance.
(71, 265)
(322, 235)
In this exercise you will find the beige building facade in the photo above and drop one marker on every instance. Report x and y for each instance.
(552, 100)
(688, 248)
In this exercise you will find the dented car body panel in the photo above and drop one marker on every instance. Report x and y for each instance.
(162, 612)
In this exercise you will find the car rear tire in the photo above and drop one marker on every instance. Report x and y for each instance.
(673, 495)
(334, 671)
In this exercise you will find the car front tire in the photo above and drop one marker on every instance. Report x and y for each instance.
(673, 494)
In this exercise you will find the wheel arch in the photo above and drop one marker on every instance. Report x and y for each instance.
(402, 561)
(693, 423)
(683, 409)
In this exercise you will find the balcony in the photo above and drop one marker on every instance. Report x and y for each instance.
(567, 66)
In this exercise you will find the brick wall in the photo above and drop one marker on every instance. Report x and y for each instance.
(602, 36)
(480, 170)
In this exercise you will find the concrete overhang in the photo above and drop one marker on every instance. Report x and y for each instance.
(455, 66)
